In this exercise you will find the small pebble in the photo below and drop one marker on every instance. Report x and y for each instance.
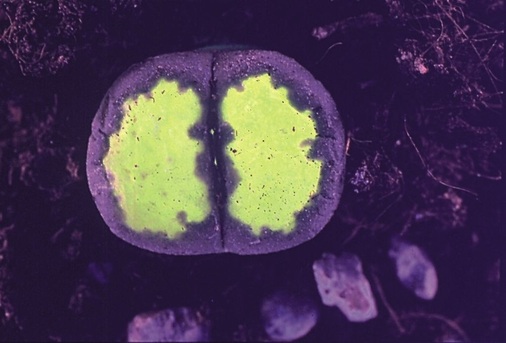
(287, 316)
(341, 282)
(414, 269)
(169, 325)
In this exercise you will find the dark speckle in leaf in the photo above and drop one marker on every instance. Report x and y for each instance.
(182, 217)
(306, 143)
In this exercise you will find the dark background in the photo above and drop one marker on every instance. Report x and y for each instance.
(418, 86)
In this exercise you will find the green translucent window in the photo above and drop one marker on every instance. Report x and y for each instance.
(151, 161)
(269, 152)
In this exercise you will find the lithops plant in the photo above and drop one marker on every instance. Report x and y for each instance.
(216, 151)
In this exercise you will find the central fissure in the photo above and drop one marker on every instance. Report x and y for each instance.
(217, 156)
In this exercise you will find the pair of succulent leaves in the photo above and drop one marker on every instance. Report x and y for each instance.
(205, 152)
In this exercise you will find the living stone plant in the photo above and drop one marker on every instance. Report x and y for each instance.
(216, 151)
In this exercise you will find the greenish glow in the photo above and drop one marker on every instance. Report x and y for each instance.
(151, 161)
(269, 151)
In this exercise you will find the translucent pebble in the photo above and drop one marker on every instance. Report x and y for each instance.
(341, 282)
(414, 269)
(288, 317)
(170, 325)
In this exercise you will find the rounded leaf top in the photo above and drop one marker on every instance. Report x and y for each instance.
(224, 151)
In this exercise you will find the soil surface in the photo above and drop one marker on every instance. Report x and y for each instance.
(419, 88)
